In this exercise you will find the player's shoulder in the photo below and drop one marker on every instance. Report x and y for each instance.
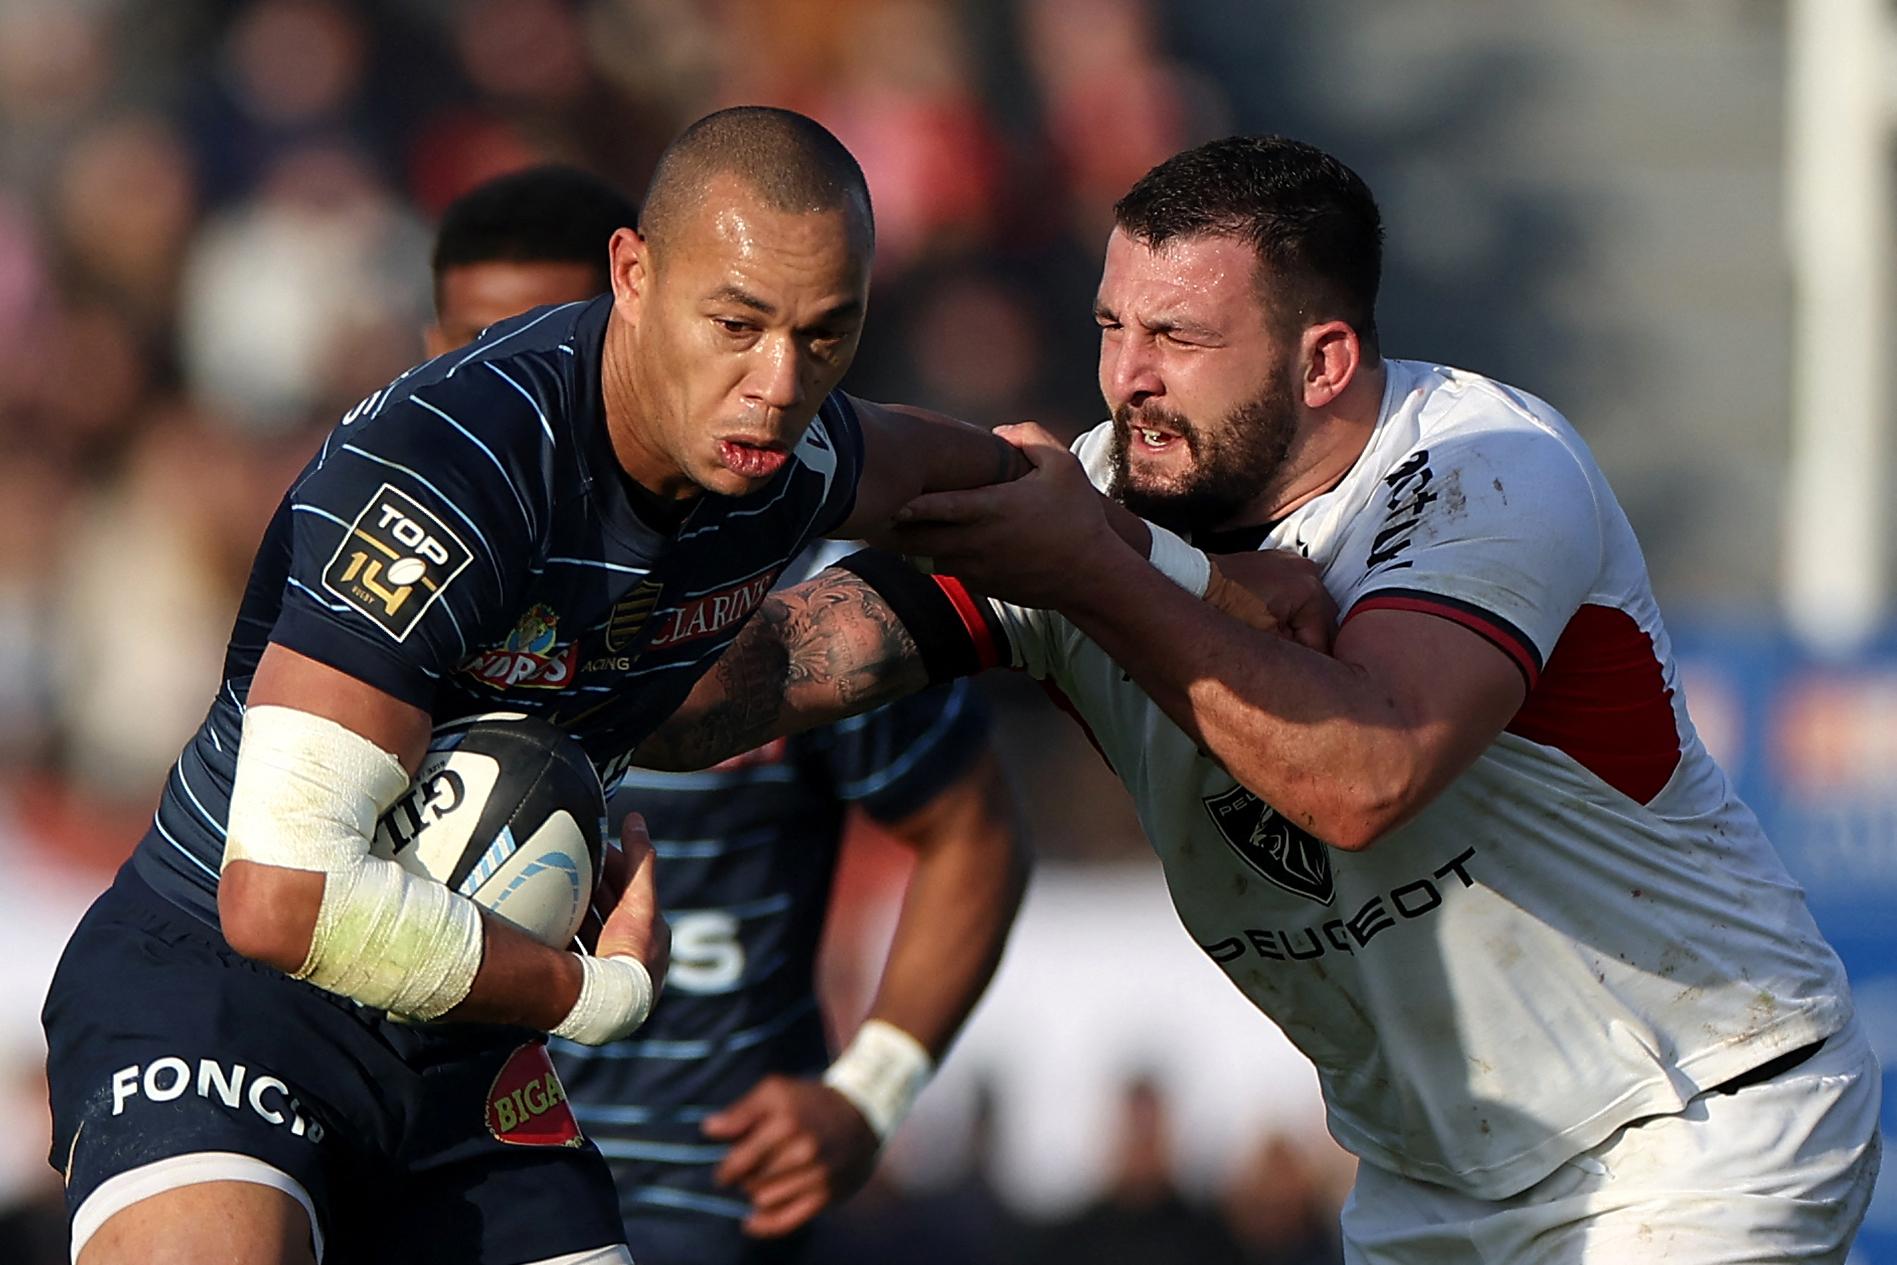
(1455, 408)
(510, 400)
(1454, 420)
(531, 364)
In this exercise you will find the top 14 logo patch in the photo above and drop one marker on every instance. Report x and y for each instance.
(1281, 851)
(395, 561)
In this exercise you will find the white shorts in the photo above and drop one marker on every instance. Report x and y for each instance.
(1778, 1171)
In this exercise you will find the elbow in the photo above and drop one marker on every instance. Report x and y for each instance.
(1350, 817)
(268, 913)
(1366, 812)
(1355, 832)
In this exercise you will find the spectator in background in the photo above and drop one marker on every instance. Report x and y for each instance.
(906, 101)
(1142, 1219)
(1280, 1207)
(126, 202)
(1115, 104)
(303, 299)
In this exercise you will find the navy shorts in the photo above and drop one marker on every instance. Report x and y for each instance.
(411, 1143)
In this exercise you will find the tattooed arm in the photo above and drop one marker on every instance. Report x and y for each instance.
(829, 648)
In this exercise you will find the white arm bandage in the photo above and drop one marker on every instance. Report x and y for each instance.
(881, 1073)
(1179, 562)
(306, 797)
(615, 998)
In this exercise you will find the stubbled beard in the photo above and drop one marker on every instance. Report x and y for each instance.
(1231, 463)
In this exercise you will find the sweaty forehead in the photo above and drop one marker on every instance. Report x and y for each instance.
(732, 221)
(776, 262)
(1204, 271)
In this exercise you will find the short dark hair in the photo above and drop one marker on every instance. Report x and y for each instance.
(1312, 220)
(546, 214)
(788, 159)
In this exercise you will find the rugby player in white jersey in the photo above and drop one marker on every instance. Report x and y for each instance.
(1565, 1003)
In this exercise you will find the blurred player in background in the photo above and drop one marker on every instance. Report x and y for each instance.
(572, 518)
(722, 1086)
(1564, 1001)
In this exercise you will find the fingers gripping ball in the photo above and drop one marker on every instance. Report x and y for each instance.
(506, 810)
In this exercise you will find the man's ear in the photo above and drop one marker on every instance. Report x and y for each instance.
(629, 264)
(1332, 357)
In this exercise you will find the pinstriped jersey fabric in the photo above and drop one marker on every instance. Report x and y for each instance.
(465, 540)
(747, 853)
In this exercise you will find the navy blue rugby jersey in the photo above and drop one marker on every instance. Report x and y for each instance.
(466, 541)
(747, 855)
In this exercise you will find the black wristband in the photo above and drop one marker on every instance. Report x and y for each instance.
(955, 631)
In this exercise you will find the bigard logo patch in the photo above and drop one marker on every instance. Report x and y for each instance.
(395, 560)
(1286, 854)
(527, 1105)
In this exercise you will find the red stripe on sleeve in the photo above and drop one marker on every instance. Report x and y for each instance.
(1506, 640)
(972, 622)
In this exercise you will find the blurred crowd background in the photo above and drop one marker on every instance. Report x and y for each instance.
(214, 228)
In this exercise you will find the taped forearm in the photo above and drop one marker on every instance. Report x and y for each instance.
(616, 995)
(306, 796)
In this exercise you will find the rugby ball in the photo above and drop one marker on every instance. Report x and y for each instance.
(507, 810)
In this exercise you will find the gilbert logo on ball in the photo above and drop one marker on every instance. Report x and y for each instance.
(507, 810)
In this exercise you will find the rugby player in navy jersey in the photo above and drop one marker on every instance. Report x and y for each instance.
(266, 1045)
(722, 1091)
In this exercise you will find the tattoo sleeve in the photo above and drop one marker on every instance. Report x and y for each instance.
(829, 648)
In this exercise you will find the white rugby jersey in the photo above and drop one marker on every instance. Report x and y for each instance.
(1587, 927)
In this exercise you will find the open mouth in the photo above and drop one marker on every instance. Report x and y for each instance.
(1153, 439)
(752, 460)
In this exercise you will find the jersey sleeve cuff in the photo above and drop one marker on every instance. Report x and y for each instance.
(1498, 632)
(323, 640)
